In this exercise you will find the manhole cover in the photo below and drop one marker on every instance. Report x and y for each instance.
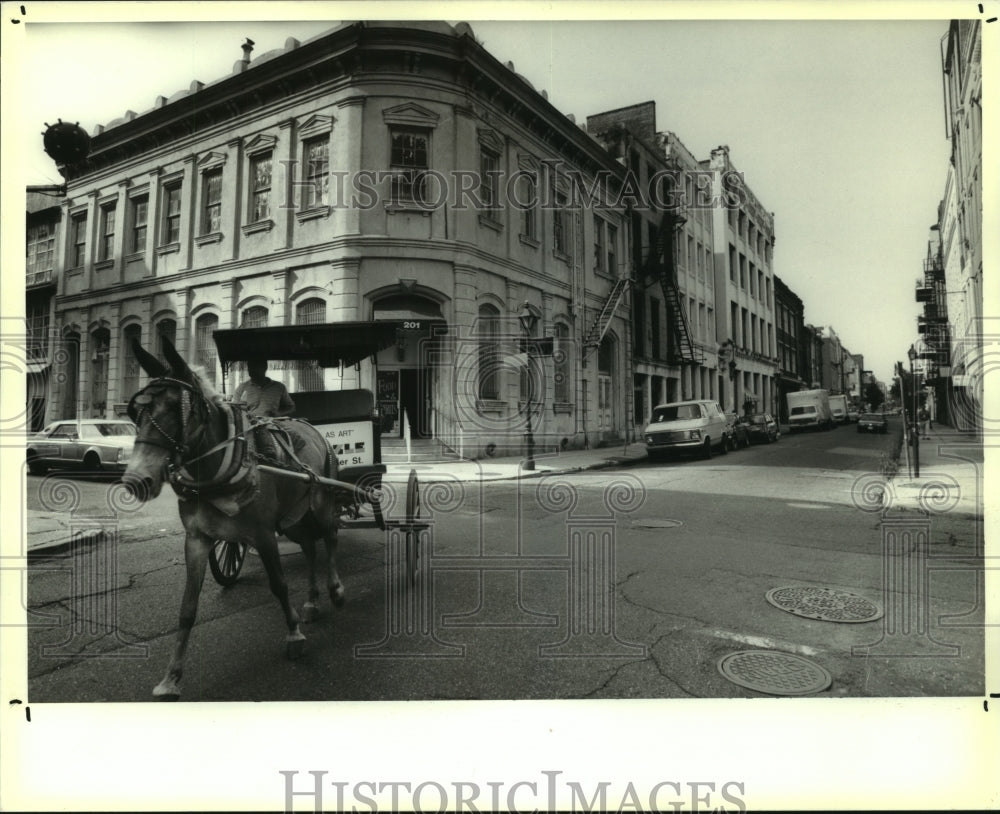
(657, 524)
(826, 604)
(774, 673)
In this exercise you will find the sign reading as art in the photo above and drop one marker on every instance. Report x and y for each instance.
(352, 442)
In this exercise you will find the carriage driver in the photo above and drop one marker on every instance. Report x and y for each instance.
(263, 396)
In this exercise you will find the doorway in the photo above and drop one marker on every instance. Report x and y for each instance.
(415, 400)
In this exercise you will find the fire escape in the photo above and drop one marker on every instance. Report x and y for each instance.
(933, 323)
(593, 338)
(660, 262)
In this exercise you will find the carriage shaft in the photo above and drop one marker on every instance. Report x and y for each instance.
(364, 494)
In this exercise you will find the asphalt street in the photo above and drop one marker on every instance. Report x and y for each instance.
(688, 551)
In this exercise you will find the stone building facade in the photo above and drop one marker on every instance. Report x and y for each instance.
(377, 171)
(790, 336)
(743, 234)
(674, 342)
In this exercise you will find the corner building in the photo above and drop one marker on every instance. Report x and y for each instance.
(377, 171)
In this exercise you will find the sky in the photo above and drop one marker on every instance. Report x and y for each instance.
(837, 125)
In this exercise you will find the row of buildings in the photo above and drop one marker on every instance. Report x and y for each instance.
(948, 350)
(399, 171)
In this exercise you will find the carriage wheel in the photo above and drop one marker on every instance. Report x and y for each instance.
(226, 559)
(412, 515)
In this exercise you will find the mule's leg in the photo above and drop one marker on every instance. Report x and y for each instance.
(196, 548)
(267, 548)
(310, 610)
(334, 585)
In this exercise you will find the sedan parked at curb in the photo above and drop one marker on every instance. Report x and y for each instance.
(873, 422)
(93, 444)
(761, 428)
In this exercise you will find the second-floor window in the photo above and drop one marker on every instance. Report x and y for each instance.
(171, 214)
(78, 233)
(612, 266)
(317, 167)
(211, 202)
(489, 167)
(107, 247)
(408, 163)
(529, 204)
(140, 212)
(599, 257)
(40, 247)
(560, 241)
(260, 188)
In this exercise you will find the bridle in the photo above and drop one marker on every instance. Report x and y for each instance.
(138, 407)
(235, 473)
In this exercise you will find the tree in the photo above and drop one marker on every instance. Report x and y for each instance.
(873, 395)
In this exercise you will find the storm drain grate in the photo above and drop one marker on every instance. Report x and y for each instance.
(657, 524)
(774, 673)
(826, 604)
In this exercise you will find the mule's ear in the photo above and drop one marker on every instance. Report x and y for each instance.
(178, 367)
(153, 366)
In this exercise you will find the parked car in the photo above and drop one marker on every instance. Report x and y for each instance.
(761, 427)
(873, 422)
(94, 444)
(686, 426)
(853, 414)
(736, 433)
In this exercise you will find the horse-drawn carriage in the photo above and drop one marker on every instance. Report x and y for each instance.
(243, 479)
(347, 419)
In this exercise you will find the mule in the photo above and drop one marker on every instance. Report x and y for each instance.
(208, 451)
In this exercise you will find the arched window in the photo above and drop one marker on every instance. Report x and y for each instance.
(204, 344)
(100, 345)
(254, 317)
(489, 337)
(562, 362)
(166, 329)
(310, 312)
(130, 362)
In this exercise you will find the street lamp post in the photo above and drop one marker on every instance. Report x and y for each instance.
(912, 354)
(528, 320)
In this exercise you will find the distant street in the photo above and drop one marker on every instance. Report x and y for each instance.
(503, 610)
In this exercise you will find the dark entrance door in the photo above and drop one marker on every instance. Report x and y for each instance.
(415, 399)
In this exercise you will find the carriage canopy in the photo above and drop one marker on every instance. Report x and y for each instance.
(329, 344)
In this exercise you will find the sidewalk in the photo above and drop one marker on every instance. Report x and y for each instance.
(49, 532)
(951, 475)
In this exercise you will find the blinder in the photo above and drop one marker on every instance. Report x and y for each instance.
(140, 404)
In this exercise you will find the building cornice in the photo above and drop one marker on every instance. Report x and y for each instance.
(338, 58)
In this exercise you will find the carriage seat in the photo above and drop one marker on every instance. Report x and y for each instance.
(329, 406)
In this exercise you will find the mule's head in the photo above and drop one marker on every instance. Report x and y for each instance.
(170, 414)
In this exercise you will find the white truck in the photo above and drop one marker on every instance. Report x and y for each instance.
(809, 409)
(838, 407)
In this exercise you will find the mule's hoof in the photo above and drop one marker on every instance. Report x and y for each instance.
(309, 612)
(337, 596)
(295, 648)
(172, 696)
(166, 691)
(339, 601)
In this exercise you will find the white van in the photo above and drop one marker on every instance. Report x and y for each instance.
(686, 426)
